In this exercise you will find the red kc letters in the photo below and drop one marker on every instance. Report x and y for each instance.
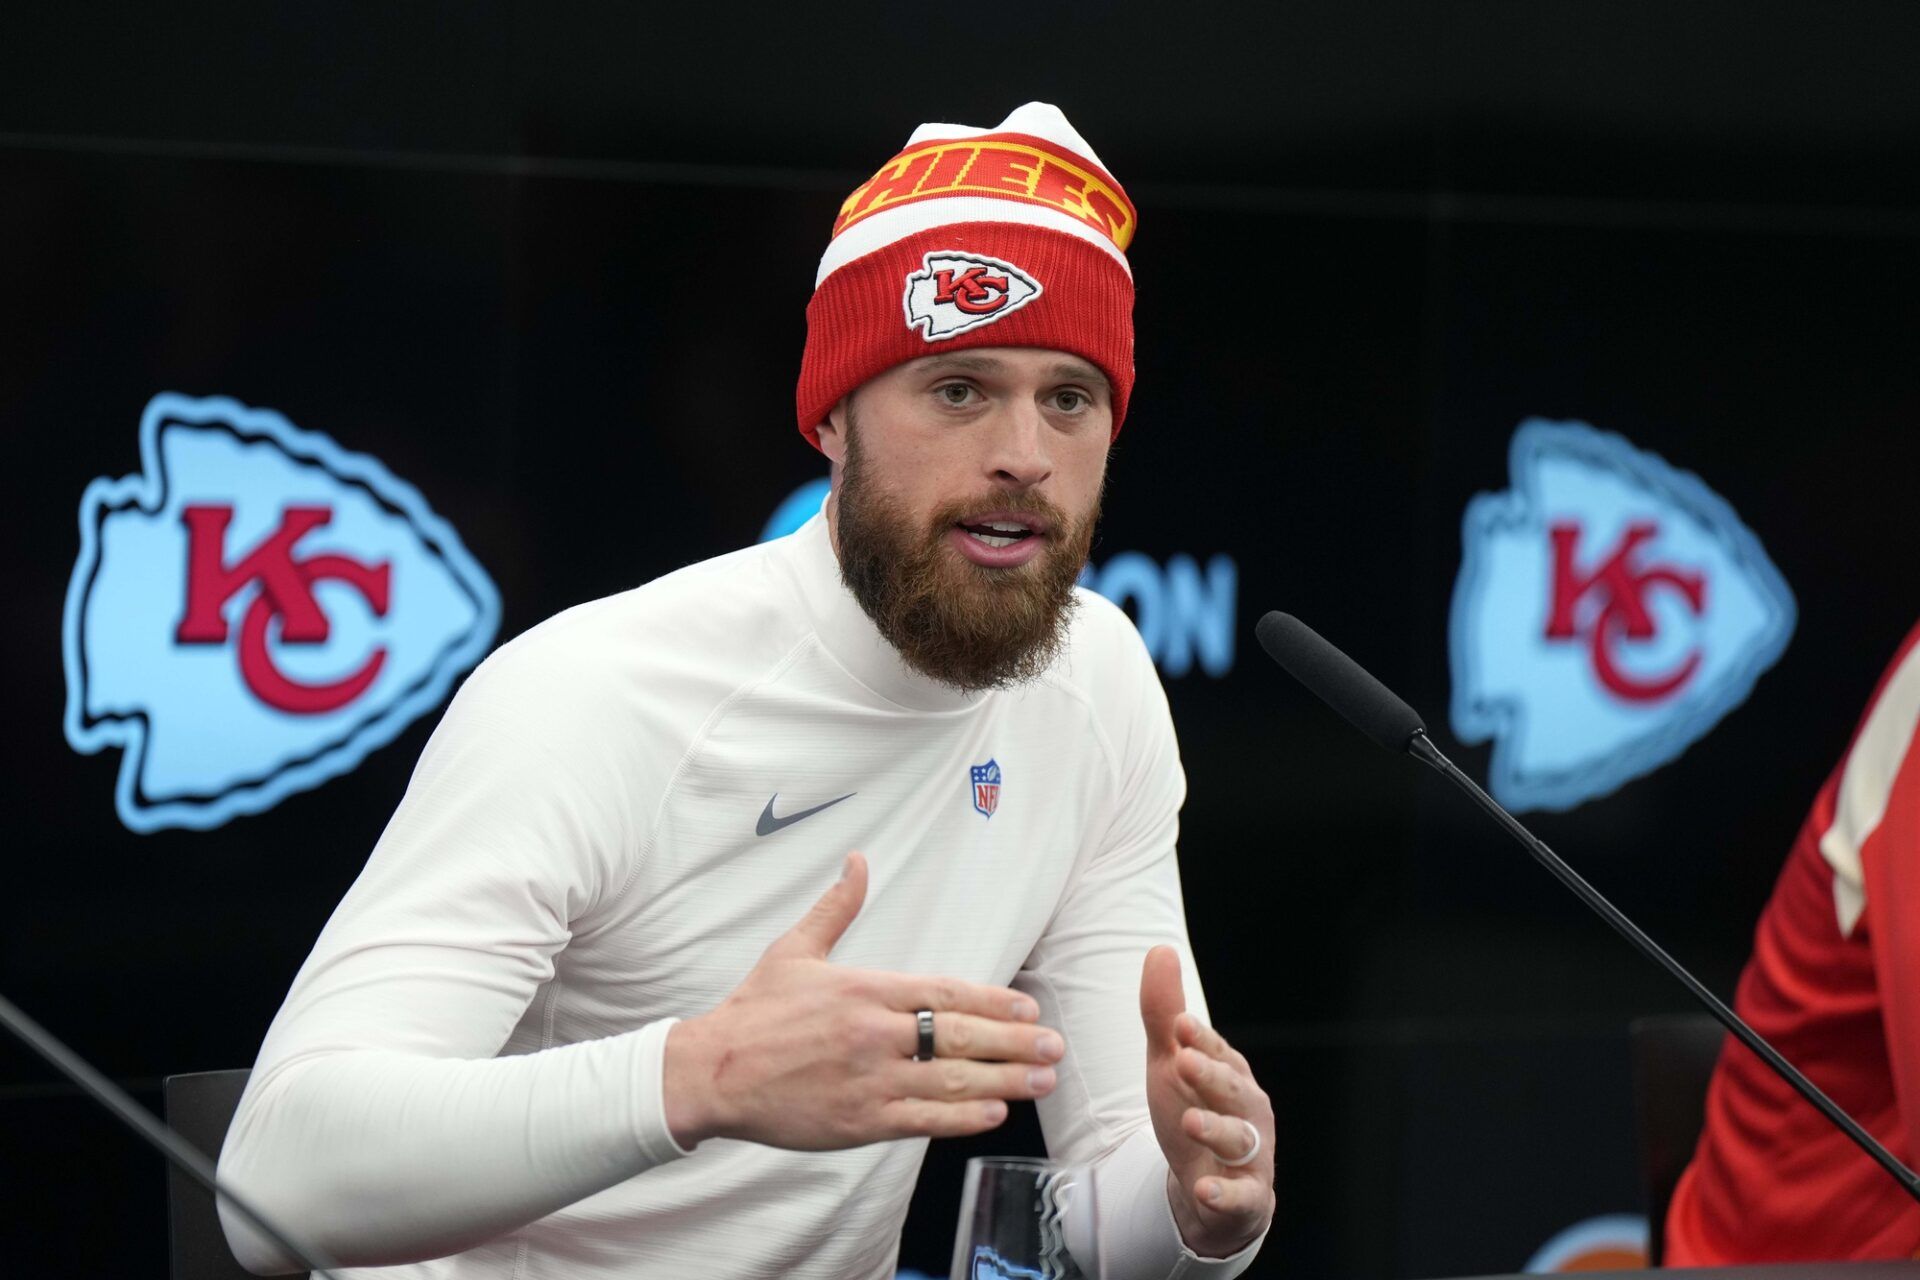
(286, 592)
(1623, 586)
(973, 290)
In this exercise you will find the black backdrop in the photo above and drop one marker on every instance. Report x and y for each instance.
(505, 249)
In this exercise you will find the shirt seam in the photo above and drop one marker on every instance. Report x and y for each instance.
(1108, 751)
(1107, 1140)
(694, 745)
(1094, 848)
(552, 1012)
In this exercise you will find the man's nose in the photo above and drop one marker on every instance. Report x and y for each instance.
(1019, 454)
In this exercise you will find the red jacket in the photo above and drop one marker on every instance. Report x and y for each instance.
(1834, 984)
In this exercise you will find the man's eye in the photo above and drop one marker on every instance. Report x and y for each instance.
(955, 393)
(1070, 401)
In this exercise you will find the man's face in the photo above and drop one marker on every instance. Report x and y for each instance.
(967, 488)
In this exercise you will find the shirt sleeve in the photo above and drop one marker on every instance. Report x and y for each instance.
(1085, 974)
(1890, 864)
(379, 1123)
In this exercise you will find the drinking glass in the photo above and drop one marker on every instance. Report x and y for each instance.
(1026, 1219)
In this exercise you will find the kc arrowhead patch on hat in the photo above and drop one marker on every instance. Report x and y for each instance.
(954, 292)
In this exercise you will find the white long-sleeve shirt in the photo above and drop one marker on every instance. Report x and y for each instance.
(468, 1067)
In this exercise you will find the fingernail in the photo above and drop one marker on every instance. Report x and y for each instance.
(1206, 1124)
(1213, 1193)
(1025, 1010)
(1040, 1079)
(996, 1111)
(1050, 1046)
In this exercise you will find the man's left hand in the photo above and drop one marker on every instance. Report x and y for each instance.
(1208, 1112)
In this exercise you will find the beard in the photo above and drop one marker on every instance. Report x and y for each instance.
(954, 621)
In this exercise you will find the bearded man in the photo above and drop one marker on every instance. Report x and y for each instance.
(576, 1017)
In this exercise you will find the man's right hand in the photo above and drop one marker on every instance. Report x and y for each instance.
(807, 1055)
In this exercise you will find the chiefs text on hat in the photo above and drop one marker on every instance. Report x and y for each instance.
(1027, 169)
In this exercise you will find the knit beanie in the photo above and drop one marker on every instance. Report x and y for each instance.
(1008, 237)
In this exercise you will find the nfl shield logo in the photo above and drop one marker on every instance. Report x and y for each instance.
(986, 787)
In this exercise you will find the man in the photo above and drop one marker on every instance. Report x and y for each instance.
(576, 1018)
(1834, 984)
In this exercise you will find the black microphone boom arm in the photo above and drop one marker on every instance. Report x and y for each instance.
(183, 1154)
(1422, 748)
(1376, 711)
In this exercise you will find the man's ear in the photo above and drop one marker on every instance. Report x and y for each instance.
(833, 435)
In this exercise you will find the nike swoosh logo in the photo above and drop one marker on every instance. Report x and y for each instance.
(769, 824)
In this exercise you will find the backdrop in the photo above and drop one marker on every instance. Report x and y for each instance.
(528, 287)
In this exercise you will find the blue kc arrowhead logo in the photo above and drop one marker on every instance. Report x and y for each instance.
(1610, 610)
(256, 611)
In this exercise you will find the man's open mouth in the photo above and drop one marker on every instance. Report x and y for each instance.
(1002, 532)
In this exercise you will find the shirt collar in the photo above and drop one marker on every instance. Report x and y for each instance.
(848, 634)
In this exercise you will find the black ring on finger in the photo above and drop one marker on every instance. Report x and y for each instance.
(923, 1020)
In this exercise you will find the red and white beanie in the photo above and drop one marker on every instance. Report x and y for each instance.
(1007, 237)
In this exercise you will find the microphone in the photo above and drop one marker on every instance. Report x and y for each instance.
(1379, 713)
(1339, 681)
(164, 1140)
